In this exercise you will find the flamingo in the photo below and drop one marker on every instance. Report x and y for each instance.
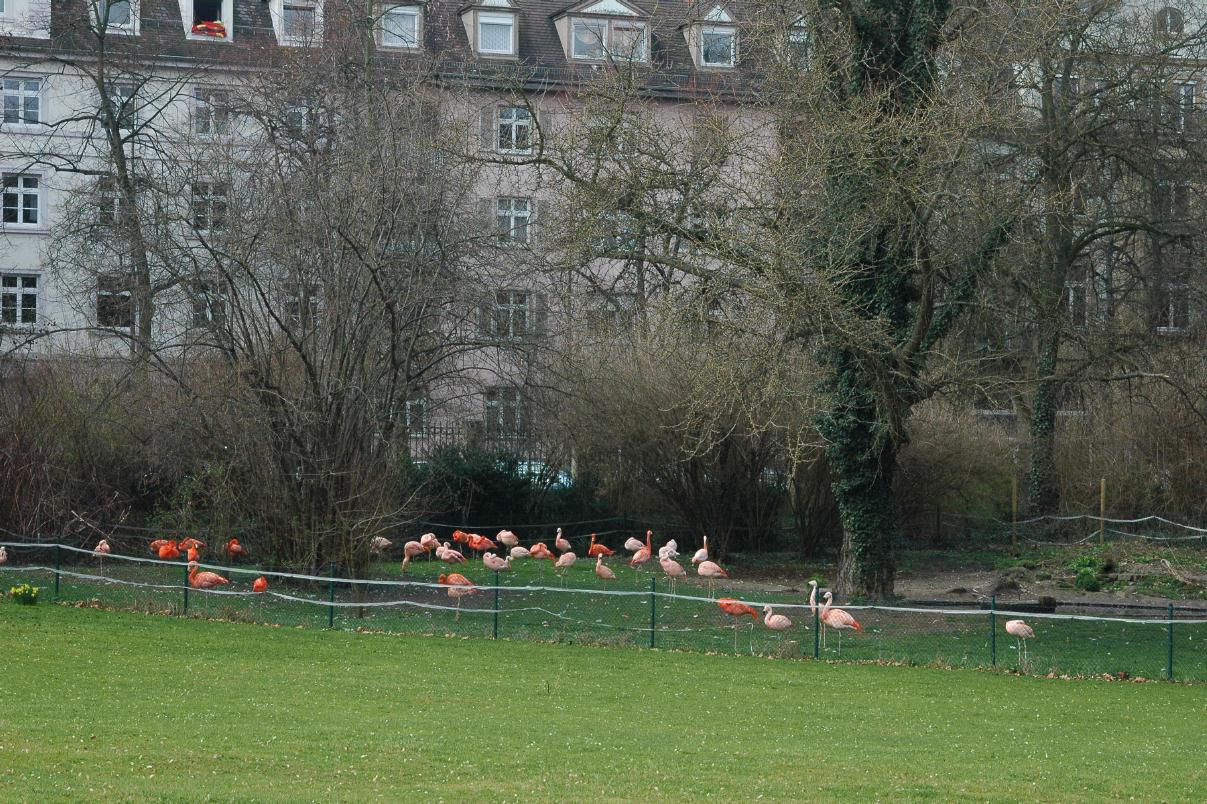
(410, 550)
(234, 549)
(193, 555)
(3, 555)
(596, 550)
(710, 570)
(379, 545)
(507, 539)
(564, 563)
(673, 569)
(159, 544)
(644, 554)
(668, 550)
(493, 562)
(602, 572)
(102, 548)
(1021, 633)
(776, 622)
(702, 553)
(480, 544)
(449, 555)
(539, 550)
(191, 543)
(429, 543)
(735, 608)
(460, 537)
(837, 619)
(458, 587)
(633, 544)
(204, 580)
(560, 542)
(169, 552)
(259, 585)
(519, 552)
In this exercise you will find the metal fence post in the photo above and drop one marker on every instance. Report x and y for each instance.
(653, 607)
(331, 596)
(57, 564)
(816, 633)
(186, 590)
(993, 630)
(1169, 640)
(496, 622)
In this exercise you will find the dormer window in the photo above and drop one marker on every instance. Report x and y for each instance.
(297, 22)
(208, 19)
(496, 34)
(713, 40)
(604, 29)
(400, 27)
(115, 16)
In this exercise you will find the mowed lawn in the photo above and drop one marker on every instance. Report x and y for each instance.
(127, 706)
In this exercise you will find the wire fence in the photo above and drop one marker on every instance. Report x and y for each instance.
(639, 608)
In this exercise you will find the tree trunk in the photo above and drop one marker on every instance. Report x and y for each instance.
(1043, 494)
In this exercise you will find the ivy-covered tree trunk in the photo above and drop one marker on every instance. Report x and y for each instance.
(1043, 495)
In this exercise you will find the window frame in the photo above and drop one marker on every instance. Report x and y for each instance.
(1175, 305)
(415, 12)
(18, 290)
(217, 117)
(128, 28)
(316, 26)
(419, 404)
(208, 197)
(514, 123)
(506, 237)
(732, 32)
(211, 301)
(495, 18)
(127, 108)
(498, 401)
(21, 208)
(607, 43)
(23, 96)
(105, 287)
(226, 16)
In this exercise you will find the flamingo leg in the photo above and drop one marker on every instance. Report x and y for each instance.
(752, 639)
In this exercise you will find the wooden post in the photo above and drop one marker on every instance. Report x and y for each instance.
(1101, 510)
(1014, 514)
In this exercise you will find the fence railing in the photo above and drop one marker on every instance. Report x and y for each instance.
(638, 609)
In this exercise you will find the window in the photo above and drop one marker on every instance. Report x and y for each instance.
(512, 216)
(515, 130)
(496, 33)
(302, 304)
(798, 44)
(1169, 22)
(211, 19)
(211, 112)
(22, 101)
(1173, 199)
(209, 206)
(18, 299)
(109, 202)
(1076, 305)
(298, 22)
(114, 15)
(123, 106)
(416, 417)
(718, 47)
(400, 27)
(210, 303)
(1178, 109)
(504, 412)
(509, 316)
(609, 311)
(600, 38)
(1173, 310)
(114, 302)
(20, 199)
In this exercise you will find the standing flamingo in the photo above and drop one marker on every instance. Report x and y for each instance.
(560, 542)
(776, 622)
(102, 550)
(458, 587)
(564, 563)
(170, 551)
(602, 572)
(1021, 633)
(428, 542)
(645, 553)
(493, 562)
(539, 550)
(480, 544)
(595, 550)
(673, 569)
(702, 553)
(668, 550)
(411, 550)
(379, 545)
(735, 608)
(191, 543)
(837, 619)
(519, 552)
(507, 539)
(3, 555)
(235, 550)
(710, 570)
(633, 544)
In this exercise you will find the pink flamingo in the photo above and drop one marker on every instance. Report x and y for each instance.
(673, 569)
(564, 563)
(837, 619)
(644, 554)
(602, 572)
(449, 555)
(736, 609)
(668, 550)
(379, 545)
(204, 580)
(428, 542)
(458, 587)
(560, 542)
(493, 562)
(702, 553)
(260, 585)
(3, 555)
(710, 570)
(507, 539)
(1021, 633)
(519, 552)
(411, 550)
(633, 544)
(776, 622)
(102, 547)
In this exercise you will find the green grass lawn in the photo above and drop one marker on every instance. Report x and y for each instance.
(108, 705)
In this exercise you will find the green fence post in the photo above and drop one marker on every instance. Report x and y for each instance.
(993, 630)
(57, 564)
(653, 607)
(496, 623)
(1169, 640)
(816, 633)
(185, 611)
(331, 596)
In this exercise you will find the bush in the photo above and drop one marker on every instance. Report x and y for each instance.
(1087, 580)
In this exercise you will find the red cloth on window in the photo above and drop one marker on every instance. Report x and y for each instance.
(215, 29)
